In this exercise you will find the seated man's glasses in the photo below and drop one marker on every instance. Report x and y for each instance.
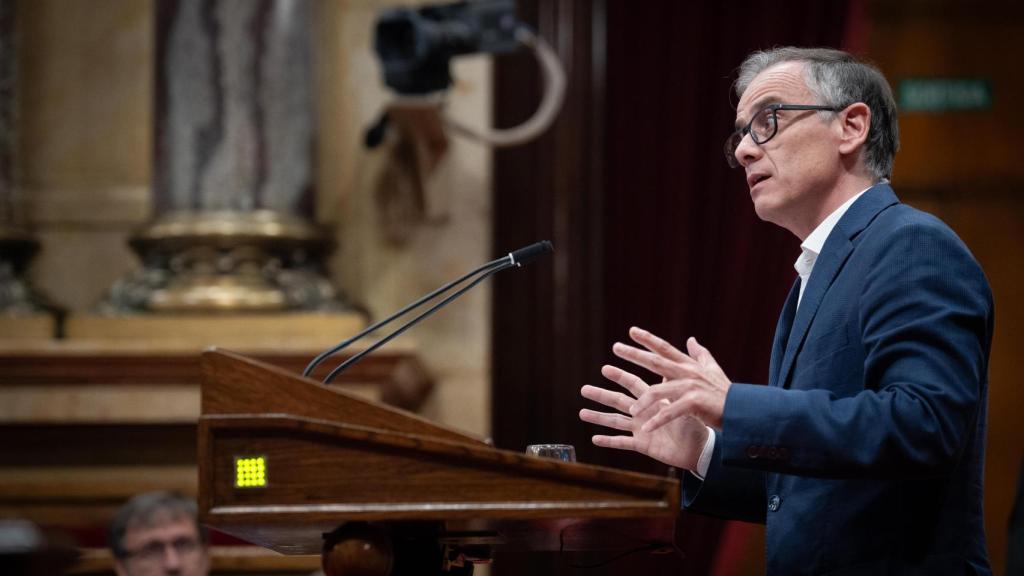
(763, 127)
(153, 552)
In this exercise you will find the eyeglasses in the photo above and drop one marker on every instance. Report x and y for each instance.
(153, 552)
(763, 127)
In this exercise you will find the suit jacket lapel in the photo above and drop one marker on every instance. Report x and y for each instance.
(782, 330)
(831, 260)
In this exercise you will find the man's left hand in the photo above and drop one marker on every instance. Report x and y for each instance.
(694, 384)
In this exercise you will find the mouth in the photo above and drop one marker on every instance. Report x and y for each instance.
(755, 179)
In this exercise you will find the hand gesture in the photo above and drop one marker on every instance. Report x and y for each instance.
(694, 384)
(677, 444)
(665, 421)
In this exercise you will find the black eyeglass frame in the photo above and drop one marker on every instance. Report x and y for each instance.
(154, 551)
(734, 139)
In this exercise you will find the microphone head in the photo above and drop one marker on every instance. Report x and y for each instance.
(525, 254)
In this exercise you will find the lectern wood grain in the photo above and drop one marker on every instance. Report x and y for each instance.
(331, 458)
(233, 384)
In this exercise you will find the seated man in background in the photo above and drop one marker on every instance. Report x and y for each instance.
(159, 533)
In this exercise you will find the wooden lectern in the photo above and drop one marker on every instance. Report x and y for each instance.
(285, 462)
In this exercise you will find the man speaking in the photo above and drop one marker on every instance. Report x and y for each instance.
(864, 453)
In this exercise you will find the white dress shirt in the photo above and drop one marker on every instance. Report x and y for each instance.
(810, 248)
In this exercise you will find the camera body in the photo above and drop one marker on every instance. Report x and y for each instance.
(416, 45)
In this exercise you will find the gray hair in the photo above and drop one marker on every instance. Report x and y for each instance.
(838, 79)
(149, 509)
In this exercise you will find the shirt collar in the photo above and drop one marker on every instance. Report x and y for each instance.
(815, 241)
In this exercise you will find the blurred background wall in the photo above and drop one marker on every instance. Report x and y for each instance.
(84, 177)
(86, 159)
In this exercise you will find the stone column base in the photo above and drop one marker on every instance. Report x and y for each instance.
(17, 296)
(226, 261)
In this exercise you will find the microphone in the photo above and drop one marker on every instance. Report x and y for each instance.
(516, 258)
(525, 255)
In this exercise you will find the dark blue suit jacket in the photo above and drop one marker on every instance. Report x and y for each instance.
(864, 454)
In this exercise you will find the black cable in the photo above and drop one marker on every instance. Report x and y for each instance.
(502, 264)
(505, 260)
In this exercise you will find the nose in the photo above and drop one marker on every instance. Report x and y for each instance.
(172, 560)
(747, 150)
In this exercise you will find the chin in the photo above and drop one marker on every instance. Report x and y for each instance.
(763, 210)
(771, 214)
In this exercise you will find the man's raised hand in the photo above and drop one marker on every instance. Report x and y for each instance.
(679, 443)
(694, 384)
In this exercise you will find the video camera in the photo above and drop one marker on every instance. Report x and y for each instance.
(415, 45)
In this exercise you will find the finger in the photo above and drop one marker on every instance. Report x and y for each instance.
(649, 360)
(658, 394)
(681, 408)
(631, 382)
(616, 421)
(616, 400)
(657, 345)
(700, 353)
(618, 442)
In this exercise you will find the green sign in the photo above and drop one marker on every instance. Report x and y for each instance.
(944, 94)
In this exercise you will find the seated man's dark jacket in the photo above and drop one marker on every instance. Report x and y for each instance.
(864, 453)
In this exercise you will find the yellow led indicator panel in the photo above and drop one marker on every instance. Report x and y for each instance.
(250, 471)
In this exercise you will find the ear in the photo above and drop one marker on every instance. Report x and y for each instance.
(854, 124)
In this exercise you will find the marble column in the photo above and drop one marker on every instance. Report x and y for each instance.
(16, 245)
(233, 163)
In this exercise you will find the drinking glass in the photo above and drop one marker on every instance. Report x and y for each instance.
(563, 452)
